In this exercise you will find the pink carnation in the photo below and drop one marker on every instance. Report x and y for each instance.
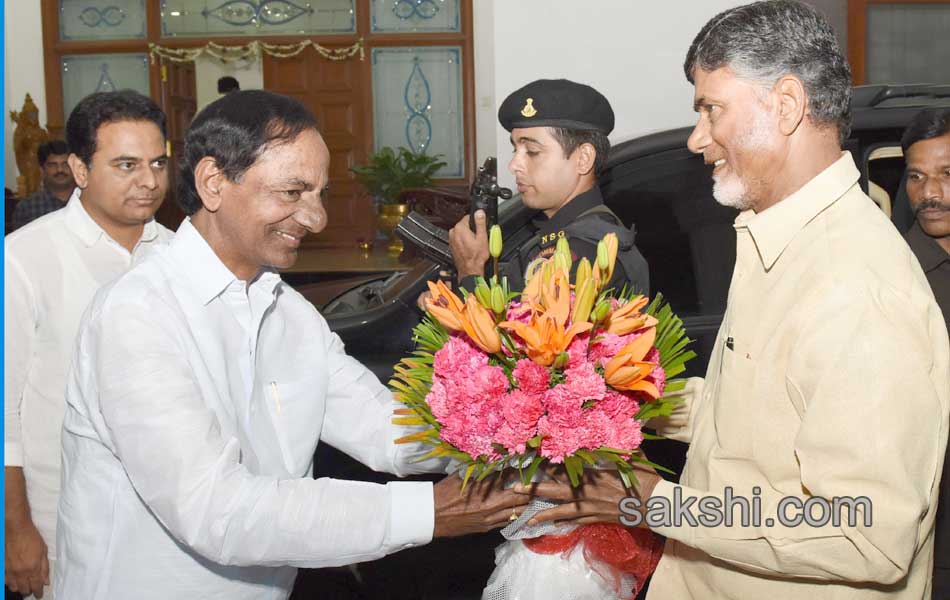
(577, 350)
(486, 381)
(563, 407)
(584, 382)
(623, 433)
(437, 399)
(618, 404)
(458, 355)
(559, 441)
(531, 377)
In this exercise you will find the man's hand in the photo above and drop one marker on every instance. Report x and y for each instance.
(469, 250)
(27, 567)
(482, 507)
(597, 500)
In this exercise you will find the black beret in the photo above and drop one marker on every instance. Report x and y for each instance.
(557, 103)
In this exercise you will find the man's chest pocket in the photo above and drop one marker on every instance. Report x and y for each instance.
(736, 412)
(296, 409)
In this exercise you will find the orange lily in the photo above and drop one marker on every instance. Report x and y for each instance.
(470, 317)
(628, 369)
(480, 326)
(445, 306)
(545, 336)
(628, 317)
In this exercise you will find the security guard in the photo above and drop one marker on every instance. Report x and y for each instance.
(559, 134)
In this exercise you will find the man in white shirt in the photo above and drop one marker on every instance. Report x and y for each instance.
(54, 265)
(202, 383)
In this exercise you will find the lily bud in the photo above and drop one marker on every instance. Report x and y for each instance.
(497, 300)
(494, 241)
(600, 311)
(603, 259)
(562, 263)
(562, 359)
(483, 293)
(563, 247)
(584, 297)
(583, 272)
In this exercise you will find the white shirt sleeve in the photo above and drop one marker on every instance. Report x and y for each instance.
(19, 316)
(153, 418)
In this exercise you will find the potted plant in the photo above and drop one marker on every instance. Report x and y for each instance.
(387, 174)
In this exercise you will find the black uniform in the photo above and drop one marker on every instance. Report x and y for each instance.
(583, 221)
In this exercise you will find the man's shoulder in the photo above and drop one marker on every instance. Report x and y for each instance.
(35, 235)
(597, 222)
(862, 255)
(148, 283)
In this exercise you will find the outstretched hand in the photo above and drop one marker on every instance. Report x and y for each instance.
(481, 507)
(596, 500)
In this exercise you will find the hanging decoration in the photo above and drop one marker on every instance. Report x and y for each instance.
(253, 50)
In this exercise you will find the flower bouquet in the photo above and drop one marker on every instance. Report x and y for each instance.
(562, 373)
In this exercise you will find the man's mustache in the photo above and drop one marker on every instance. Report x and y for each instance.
(931, 204)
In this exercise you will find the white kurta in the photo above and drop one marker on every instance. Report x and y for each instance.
(53, 266)
(194, 409)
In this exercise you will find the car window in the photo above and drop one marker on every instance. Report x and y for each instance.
(885, 168)
(685, 235)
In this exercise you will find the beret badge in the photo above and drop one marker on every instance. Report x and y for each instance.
(529, 110)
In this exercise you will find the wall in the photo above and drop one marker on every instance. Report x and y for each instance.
(22, 73)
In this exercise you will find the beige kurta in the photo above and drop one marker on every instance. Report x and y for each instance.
(830, 378)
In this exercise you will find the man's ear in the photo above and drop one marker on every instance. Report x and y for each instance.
(80, 171)
(209, 180)
(792, 103)
(585, 156)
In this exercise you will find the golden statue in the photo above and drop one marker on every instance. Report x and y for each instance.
(27, 138)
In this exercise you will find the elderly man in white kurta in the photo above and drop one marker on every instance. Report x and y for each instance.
(202, 384)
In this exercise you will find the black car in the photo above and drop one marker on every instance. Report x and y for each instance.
(655, 185)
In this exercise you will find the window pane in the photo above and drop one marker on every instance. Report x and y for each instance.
(907, 43)
(417, 102)
(415, 15)
(257, 17)
(101, 19)
(87, 73)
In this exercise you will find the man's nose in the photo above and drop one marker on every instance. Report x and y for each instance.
(150, 179)
(699, 138)
(312, 214)
(932, 190)
(515, 165)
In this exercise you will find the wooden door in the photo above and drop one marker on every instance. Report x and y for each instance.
(179, 100)
(334, 91)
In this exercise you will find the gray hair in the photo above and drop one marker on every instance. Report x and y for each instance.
(764, 41)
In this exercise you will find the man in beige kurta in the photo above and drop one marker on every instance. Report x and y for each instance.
(830, 377)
